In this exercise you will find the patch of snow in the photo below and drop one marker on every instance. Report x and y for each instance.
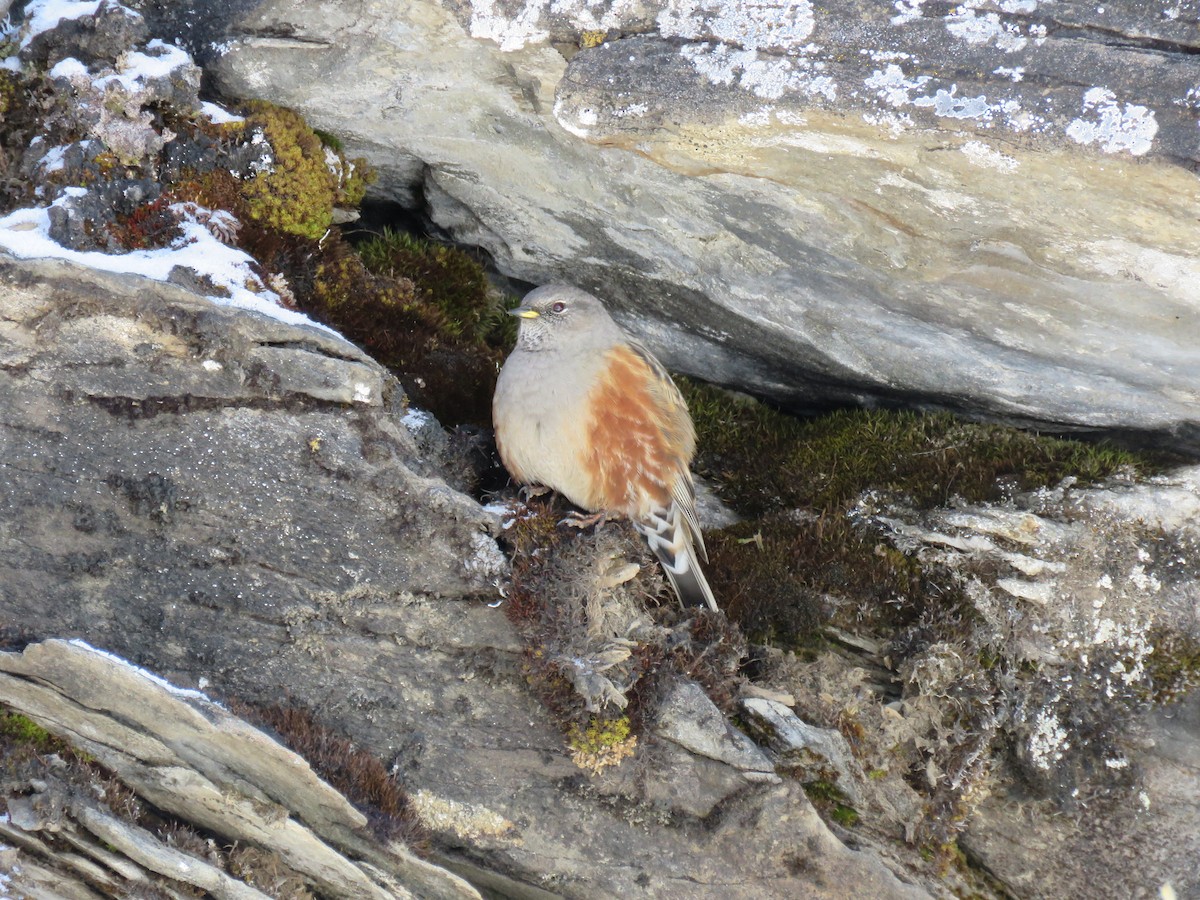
(43, 15)
(53, 161)
(186, 693)
(25, 233)
(135, 68)
(69, 68)
(218, 115)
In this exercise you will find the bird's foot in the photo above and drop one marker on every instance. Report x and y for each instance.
(529, 491)
(580, 521)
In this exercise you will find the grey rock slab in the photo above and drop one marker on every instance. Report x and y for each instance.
(138, 844)
(1092, 594)
(687, 717)
(154, 438)
(983, 208)
(820, 753)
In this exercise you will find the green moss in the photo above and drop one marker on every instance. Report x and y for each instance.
(22, 729)
(298, 192)
(446, 279)
(603, 743)
(786, 578)
(763, 460)
(829, 799)
(332, 141)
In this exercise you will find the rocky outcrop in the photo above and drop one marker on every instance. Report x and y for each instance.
(193, 760)
(235, 503)
(245, 504)
(982, 207)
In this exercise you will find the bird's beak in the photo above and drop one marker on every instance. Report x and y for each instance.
(524, 312)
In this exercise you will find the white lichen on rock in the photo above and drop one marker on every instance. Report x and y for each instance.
(1047, 740)
(768, 77)
(966, 25)
(774, 25)
(1112, 127)
(980, 154)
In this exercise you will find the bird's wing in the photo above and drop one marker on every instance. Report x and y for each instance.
(681, 433)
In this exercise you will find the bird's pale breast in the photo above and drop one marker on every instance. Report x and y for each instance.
(538, 412)
(612, 435)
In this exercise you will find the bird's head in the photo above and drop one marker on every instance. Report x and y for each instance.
(560, 317)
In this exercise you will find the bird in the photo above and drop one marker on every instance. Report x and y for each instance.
(584, 409)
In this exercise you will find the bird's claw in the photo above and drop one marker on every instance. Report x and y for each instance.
(580, 521)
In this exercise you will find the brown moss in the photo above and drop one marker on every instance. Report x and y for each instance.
(1174, 664)
(551, 586)
(149, 226)
(358, 774)
(268, 872)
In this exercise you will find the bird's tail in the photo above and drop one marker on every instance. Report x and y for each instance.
(670, 536)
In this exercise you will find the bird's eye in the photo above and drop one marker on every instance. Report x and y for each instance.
(558, 307)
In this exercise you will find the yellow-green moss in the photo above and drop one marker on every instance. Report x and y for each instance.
(603, 743)
(299, 190)
(24, 730)
(10, 91)
(23, 104)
